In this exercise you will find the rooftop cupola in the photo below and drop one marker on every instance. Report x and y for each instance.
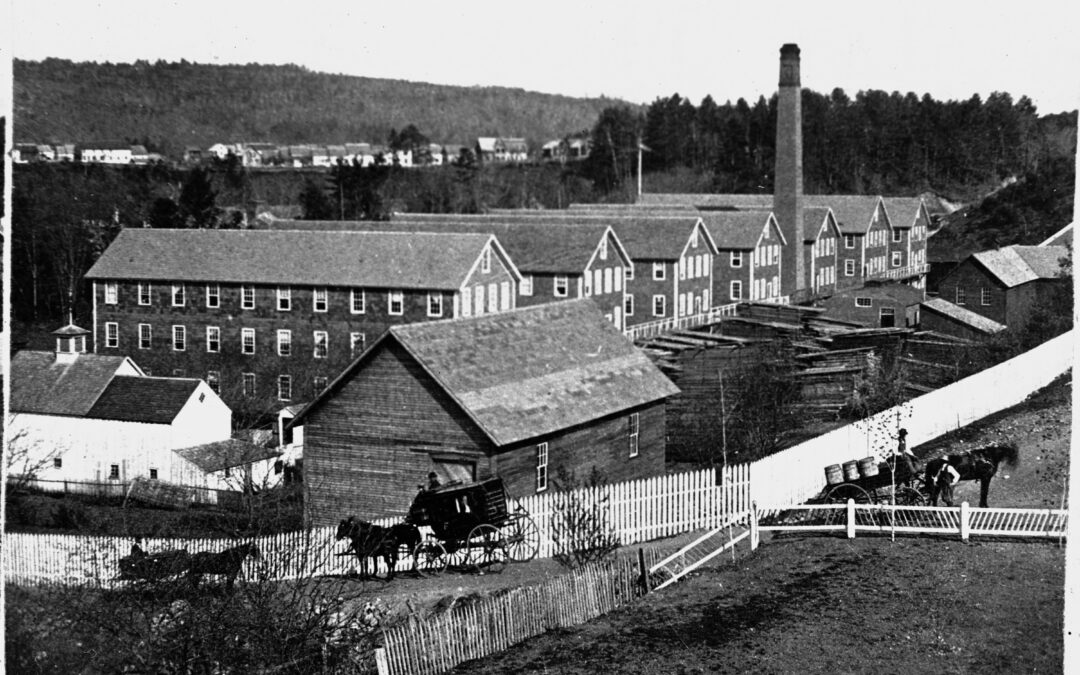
(70, 342)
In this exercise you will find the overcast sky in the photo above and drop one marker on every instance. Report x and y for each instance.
(633, 49)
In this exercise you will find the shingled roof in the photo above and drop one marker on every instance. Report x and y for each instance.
(1015, 265)
(40, 385)
(903, 211)
(813, 218)
(372, 259)
(738, 229)
(963, 315)
(153, 400)
(530, 371)
(226, 454)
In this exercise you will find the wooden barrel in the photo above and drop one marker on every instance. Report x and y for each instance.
(868, 467)
(834, 475)
(851, 470)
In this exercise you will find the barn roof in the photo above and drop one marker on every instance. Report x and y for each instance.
(226, 454)
(1062, 237)
(40, 385)
(531, 371)
(738, 229)
(372, 259)
(1015, 265)
(152, 400)
(963, 315)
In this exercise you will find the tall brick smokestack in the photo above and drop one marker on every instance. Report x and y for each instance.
(788, 180)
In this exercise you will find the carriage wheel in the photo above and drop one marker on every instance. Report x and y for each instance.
(487, 549)
(522, 538)
(906, 496)
(841, 493)
(429, 558)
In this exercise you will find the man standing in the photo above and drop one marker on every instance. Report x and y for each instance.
(945, 479)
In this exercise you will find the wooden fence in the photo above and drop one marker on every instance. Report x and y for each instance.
(499, 622)
(637, 511)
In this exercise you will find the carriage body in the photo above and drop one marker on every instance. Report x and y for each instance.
(155, 566)
(892, 481)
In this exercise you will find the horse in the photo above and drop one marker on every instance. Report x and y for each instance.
(979, 464)
(227, 563)
(371, 541)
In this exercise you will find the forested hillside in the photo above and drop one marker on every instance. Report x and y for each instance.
(168, 106)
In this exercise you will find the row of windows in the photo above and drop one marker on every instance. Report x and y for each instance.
(284, 384)
(497, 299)
(320, 298)
(607, 280)
(320, 340)
(633, 435)
(827, 275)
(695, 266)
(824, 247)
(766, 255)
(985, 296)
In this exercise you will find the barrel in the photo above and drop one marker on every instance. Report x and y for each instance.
(851, 470)
(868, 467)
(834, 475)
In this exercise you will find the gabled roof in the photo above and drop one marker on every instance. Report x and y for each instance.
(1062, 237)
(853, 212)
(658, 238)
(739, 230)
(1015, 265)
(903, 211)
(813, 220)
(40, 385)
(371, 259)
(528, 372)
(153, 400)
(226, 454)
(534, 247)
(486, 143)
(963, 316)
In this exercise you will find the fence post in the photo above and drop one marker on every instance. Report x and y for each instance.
(754, 533)
(644, 570)
(965, 522)
(381, 663)
(850, 518)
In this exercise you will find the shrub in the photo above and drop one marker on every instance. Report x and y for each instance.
(581, 528)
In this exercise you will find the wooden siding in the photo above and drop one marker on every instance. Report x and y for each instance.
(972, 278)
(724, 274)
(844, 254)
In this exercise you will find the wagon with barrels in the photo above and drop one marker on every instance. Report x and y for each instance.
(868, 481)
(473, 526)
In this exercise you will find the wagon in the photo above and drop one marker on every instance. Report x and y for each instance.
(155, 566)
(878, 488)
(473, 527)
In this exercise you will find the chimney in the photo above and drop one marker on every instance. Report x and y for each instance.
(788, 178)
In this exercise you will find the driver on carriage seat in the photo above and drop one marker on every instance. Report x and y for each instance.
(136, 549)
(903, 453)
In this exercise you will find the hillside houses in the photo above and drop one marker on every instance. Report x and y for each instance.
(523, 395)
(272, 316)
(501, 150)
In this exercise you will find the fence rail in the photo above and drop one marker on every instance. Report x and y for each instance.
(654, 328)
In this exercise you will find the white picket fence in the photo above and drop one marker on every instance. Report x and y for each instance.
(638, 510)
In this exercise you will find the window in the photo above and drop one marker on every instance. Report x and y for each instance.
(618, 274)
(144, 294)
(541, 466)
(897, 236)
(114, 471)
(247, 340)
(961, 296)
(526, 287)
(598, 281)
(321, 344)
(658, 273)
(179, 338)
(144, 336)
(321, 302)
(659, 305)
(178, 295)
(736, 258)
(356, 301)
(897, 257)
(736, 290)
(504, 295)
(249, 384)
(58, 462)
(213, 339)
(864, 302)
(110, 293)
(247, 297)
(284, 343)
(634, 429)
(607, 280)
(284, 299)
(213, 295)
(587, 285)
(395, 303)
(319, 384)
(213, 380)
(603, 248)
(984, 296)
(561, 286)
(284, 387)
(356, 343)
(434, 304)
(628, 305)
(153, 474)
(629, 271)
(849, 241)
(485, 260)
(706, 264)
(493, 298)
(682, 268)
(849, 268)
(682, 304)
(112, 334)
(466, 302)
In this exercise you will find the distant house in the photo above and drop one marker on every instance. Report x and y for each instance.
(139, 154)
(65, 152)
(1003, 284)
(892, 305)
(747, 263)
(89, 417)
(941, 316)
(822, 243)
(105, 153)
(523, 395)
(501, 150)
(569, 149)
(910, 222)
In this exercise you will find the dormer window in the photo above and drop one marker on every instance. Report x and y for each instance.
(485, 260)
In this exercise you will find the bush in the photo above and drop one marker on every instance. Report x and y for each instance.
(581, 528)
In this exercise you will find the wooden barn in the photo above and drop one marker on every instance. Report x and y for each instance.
(522, 395)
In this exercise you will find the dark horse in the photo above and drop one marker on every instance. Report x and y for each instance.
(979, 464)
(226, 563)
(374, 541)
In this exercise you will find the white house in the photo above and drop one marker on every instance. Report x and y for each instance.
(106, 153)
(82, 417)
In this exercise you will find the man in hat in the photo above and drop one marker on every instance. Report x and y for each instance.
(904, 454)
(945, 479)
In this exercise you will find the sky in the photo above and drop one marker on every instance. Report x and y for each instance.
(633, 50)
